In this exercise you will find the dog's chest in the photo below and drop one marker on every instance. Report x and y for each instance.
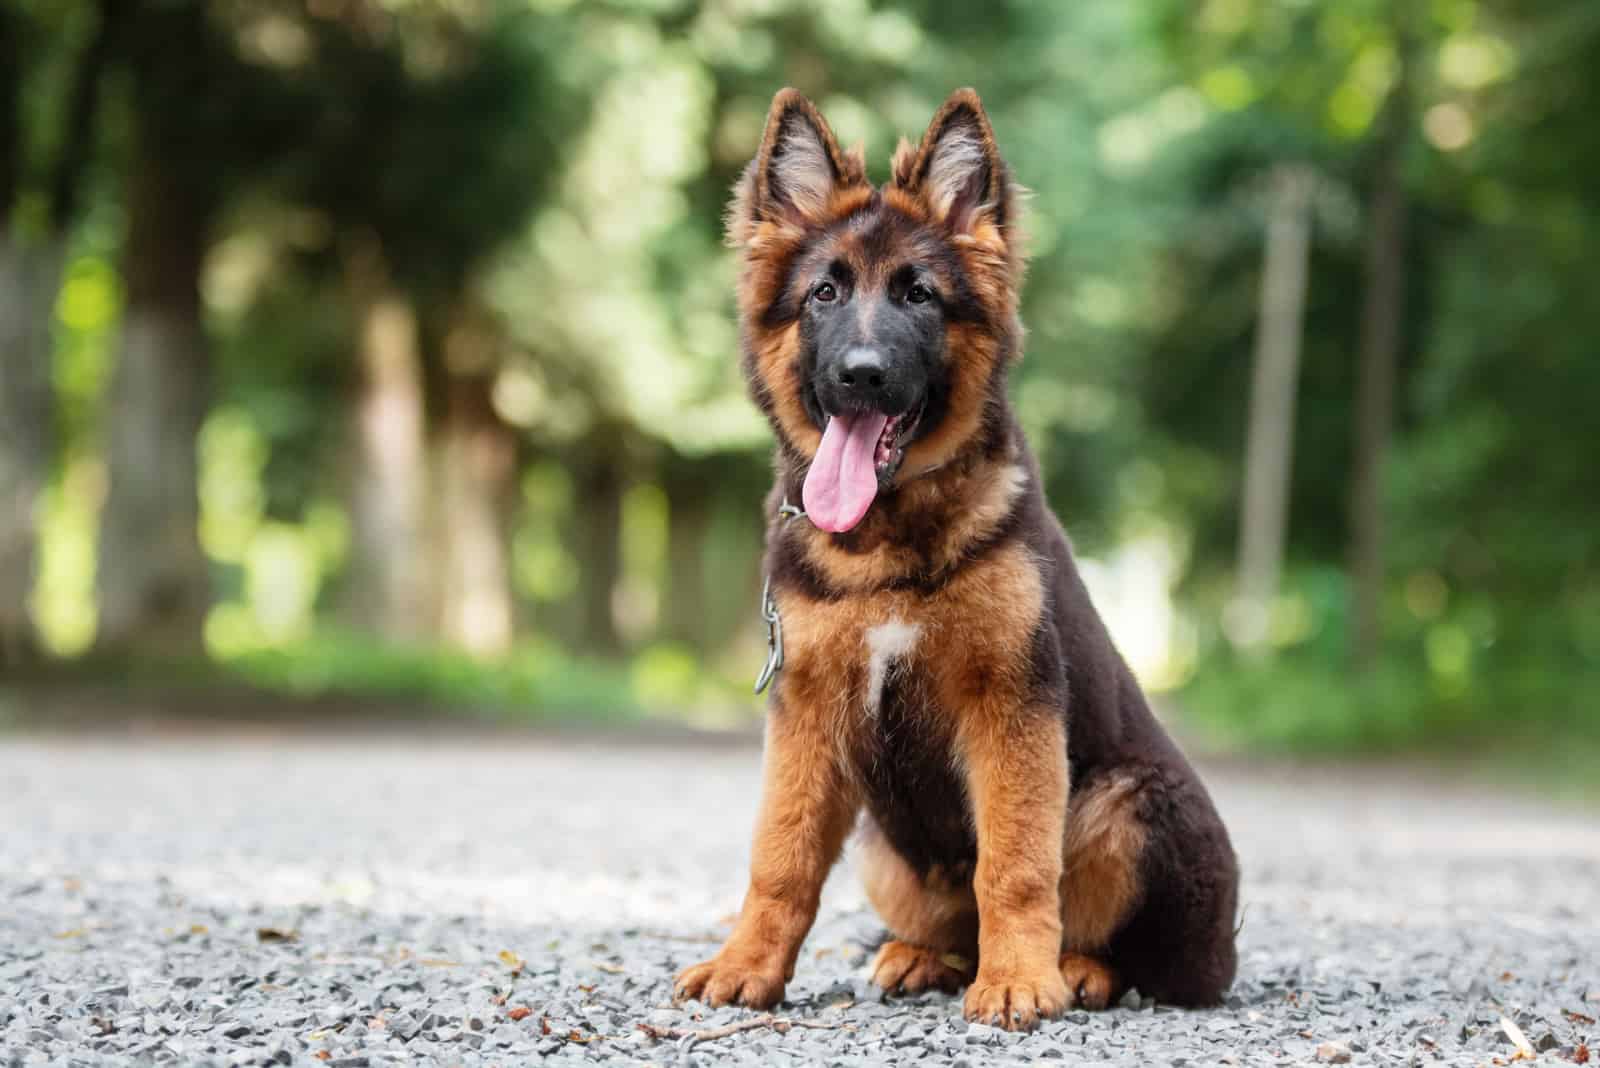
(903, 753)
(894, 675)
(889, 648)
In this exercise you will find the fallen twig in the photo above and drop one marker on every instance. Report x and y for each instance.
(779, 1024)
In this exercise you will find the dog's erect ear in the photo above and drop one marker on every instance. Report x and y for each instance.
(957, 168)
(798, 167)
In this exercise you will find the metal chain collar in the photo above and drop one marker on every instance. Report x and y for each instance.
(769, 612)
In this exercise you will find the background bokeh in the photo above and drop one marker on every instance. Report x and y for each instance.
(380, 354)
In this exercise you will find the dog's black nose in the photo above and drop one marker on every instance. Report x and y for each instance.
(861, 371)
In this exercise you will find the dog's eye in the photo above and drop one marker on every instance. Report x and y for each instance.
(825, 293)
(919, 294)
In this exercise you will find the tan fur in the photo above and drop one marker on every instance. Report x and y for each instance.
(805, 171)
(1013, 757)
(824, 640)
(775, 355)
(1090, 983)
(934, 917)
(975, 353)
(807, 808)
(1100, 880)
(999, 245)
(1016, 764)
(907, 968)
(793, 124)
(934, 912)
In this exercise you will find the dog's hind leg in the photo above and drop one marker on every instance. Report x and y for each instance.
(1147, 891)
(934, 922)
(1100, 884)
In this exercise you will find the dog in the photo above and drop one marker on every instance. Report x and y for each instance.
(1030, 830)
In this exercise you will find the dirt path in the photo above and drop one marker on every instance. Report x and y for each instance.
(270, 897)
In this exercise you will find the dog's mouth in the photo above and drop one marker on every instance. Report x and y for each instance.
(891, 450)
(859, 455)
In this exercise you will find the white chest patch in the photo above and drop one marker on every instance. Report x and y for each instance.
(887, 643)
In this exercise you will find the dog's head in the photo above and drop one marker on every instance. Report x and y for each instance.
(877, 322)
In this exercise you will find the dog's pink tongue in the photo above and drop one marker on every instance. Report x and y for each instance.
(843, 478)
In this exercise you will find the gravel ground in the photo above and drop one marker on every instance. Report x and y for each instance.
(284, 897)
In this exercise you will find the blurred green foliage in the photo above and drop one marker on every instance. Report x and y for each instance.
(537, 681)
(545, 179)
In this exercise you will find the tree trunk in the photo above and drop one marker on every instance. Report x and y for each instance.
(1269, 450)
(29, 277)
(478, 493)
(598, 543)
(152, 576)
(1382, 311)
(683, 608)
(11, 138)
(387, 588)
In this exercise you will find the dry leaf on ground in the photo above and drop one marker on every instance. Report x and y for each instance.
(1525, 1050)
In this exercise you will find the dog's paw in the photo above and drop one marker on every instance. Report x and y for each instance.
(1090, 984)
(720, 981)
(904, 968)
(1016, 1001)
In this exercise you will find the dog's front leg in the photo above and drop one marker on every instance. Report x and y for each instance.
(807, 808)
(1016, 768)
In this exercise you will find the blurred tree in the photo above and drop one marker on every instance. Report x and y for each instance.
(1381, 322)
(1493, 538)
(600, 467)
(39, 203)
(1264, 516)
(510, 114)
(479, 455)
(202, 118)
(1282, 85)
(387, 587)
(1465, 540)
(436, 133)
(153, 576)
(456, 264)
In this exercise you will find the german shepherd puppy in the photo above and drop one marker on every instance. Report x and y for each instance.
(1031, 833)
